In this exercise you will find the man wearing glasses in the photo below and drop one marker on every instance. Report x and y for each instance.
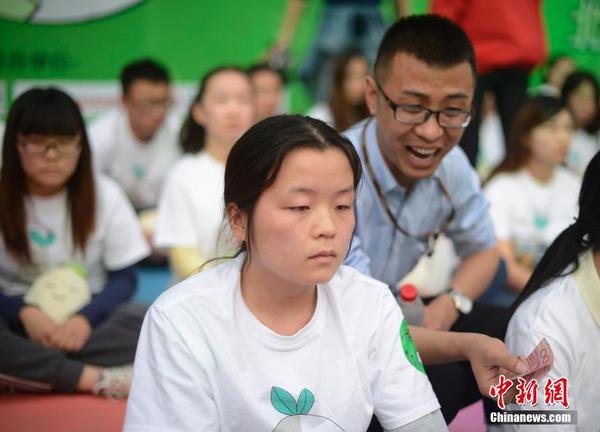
(136, 144)
(418, 184)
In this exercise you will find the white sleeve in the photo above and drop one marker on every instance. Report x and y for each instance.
(176, 222)
(401, 390)
(500, 202)
(432, 422)
(170, 390)
(100, 144)
(124, 242)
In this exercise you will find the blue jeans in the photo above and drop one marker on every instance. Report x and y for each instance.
(342, 28)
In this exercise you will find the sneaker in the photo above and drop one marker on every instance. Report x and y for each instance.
(114, 382)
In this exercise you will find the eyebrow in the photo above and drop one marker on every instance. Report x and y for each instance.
(300, 189)
(423, 95)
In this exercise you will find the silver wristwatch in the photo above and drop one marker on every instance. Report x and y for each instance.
(462, 303)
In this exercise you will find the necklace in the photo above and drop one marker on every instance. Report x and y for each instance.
(429, 237)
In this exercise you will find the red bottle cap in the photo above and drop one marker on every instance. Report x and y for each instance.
(408, 292)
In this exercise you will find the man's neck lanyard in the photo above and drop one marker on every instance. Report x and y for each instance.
(429, 237)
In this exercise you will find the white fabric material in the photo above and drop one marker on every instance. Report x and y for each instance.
(205, 362)
(558, 313)
(116, 243)
(139, 167)
(529, 213)
(190, 213)
(583, 148)
(321, 111)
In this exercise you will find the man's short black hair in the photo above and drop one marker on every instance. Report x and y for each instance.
(264, 67)
(146, 69)
(433, 39)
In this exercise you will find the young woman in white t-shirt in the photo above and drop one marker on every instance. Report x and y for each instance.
(191, 207)
(581, 94)
(69, 243)
(346, 104)
(561, 303)
(532, 196)
(283, 337)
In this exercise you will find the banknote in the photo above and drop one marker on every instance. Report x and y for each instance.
(539, 362)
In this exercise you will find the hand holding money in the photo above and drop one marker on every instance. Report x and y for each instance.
(540, 361)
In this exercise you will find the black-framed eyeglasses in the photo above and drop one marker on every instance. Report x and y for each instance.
(152, 105)
(428, 237)
(451, 118)
(64, 146)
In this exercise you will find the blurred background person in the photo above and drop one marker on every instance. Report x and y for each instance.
(558, 68)
(269, 90)
(346, 104)
(580, 93)
(344, 25)
(532, 196)
(136, 143)
(69, 245)
(509, 42)
(190, 212)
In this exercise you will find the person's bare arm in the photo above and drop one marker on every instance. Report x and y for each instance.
(185, 261)
(472, 278)
(517, 274)
(488, 356)
(402, 8)
(291, 18)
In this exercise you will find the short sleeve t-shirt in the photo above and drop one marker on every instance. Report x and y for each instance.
(116, 243)
(559, 313)
(530, 214)
(205, 362)
(139, 167)
(191, 209)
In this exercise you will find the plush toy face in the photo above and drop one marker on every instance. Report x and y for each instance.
(59, 292)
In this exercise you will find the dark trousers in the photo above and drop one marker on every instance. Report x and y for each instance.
(112, 343)
(509, 87)
(454, 383)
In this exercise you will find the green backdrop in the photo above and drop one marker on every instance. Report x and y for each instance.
(191, 36)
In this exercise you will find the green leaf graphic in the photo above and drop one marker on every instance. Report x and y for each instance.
(138, 171)
(282, 401)
(40, 239)
(305, 402)
(78, 268)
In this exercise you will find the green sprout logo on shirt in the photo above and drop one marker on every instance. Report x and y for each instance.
(298, 418)
(540, 221)
(410, 350)
(41, 239)
(138, 171)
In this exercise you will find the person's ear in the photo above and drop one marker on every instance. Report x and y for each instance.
(371, 95)
(198, 113)
(238, 222)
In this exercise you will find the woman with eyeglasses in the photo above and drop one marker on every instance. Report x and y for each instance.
(190, 213)
(532, 197)
(69, 243)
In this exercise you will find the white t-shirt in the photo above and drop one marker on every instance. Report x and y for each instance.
(529, 213)
(558, 313)
(139, 167)
(206, 363)
(321, 111)
(117, 241)
(583, 148)
(190, 213)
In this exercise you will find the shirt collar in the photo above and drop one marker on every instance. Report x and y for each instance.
(588, 282)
